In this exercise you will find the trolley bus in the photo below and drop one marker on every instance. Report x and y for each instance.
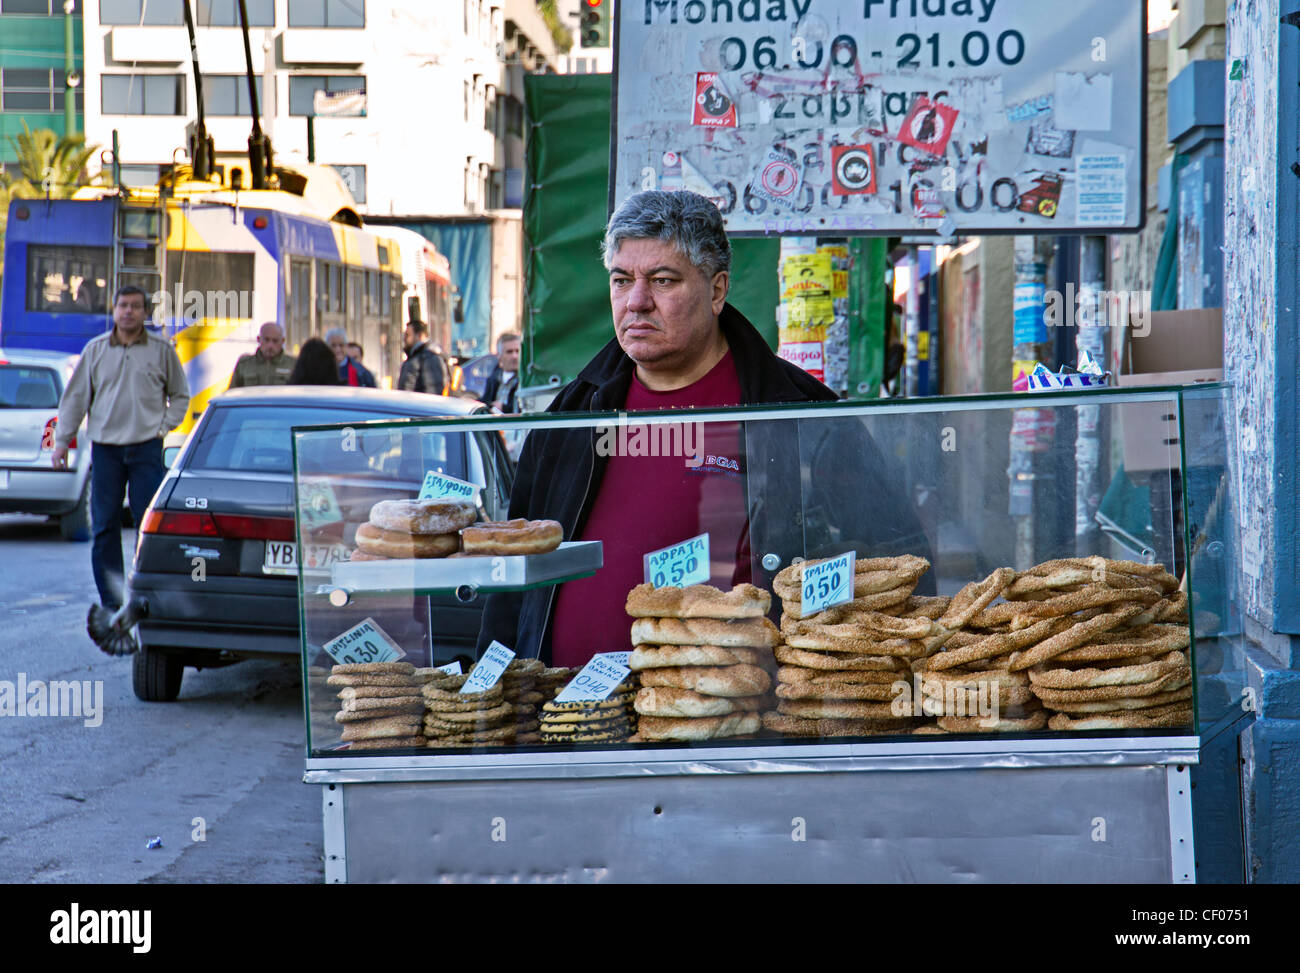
(219, 261)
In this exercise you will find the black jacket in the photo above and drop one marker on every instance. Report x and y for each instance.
(423, 371)
(492, 389)
(560, 473)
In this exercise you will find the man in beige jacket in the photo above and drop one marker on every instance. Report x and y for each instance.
(132, 384)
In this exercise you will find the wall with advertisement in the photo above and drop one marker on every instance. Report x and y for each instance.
(886, 116)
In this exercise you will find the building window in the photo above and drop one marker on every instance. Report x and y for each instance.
(140, 174)
(354, 177)
(225, 13)
(514, 112)
(303, 88)
(149, 13)
(143, 94)
(468, 98)
(327, 13)
(227, 94)
(34, 90)
(490, 109)
(471, 185)
(49, 8)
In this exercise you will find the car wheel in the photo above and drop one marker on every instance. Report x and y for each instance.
(75, 524)
(156, 675)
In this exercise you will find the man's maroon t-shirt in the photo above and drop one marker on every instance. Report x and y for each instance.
(650, 500)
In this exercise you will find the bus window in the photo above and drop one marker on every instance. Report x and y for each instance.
(300, 303)
(67, 279)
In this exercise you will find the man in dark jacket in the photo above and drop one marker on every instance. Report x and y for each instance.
(424, 370)
(501, 390)
(678, 344)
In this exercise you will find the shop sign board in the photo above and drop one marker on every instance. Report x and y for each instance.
(887, 117)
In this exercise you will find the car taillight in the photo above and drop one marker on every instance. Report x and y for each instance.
(253, 528)
(168, 522)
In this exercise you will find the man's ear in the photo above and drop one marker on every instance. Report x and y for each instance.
(721, 284)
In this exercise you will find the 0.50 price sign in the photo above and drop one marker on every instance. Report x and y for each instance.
(678, 566)
(827, 583)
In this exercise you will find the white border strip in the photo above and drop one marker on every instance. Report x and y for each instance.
(1181, 846)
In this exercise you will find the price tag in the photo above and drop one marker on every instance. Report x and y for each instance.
(618, 658)
(451, 668)
(682, 564)
(828, 583)
(488, 669)
(597, 680)
(317, 504)
(440, 486)
(366, 642)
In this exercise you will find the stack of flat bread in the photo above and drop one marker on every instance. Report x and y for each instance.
(413, 529)
(456, 719)
(519, 688)
(840, 667)
(704, 657)
(609, 720)
(381, 705)
(1101, 644)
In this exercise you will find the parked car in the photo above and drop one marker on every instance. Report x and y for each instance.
(31, 384)
(472, 380)
(227, 504)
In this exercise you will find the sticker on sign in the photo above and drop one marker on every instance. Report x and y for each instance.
(597, 680)
(827, 584)
(440, 486)
(682, 564)
(366, 642)
(488, 669)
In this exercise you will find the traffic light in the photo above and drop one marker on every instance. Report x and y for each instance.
(595, 23)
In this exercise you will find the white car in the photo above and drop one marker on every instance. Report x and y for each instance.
(31, 384)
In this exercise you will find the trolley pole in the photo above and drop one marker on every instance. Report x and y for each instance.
(71, 78)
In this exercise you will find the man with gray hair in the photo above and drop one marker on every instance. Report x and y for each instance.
(351, 371)
(677, 344)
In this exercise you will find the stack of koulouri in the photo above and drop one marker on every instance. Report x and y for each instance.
(843, 669)
(519, 687)
(456, 719)
(381, 706)
(704, 658)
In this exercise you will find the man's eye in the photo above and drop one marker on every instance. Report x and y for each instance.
(664, 281)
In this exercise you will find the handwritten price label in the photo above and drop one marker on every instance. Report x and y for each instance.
(366, 642)
(451, 668)
(488, 669)
(597, 680)
(440, 486)
(317, 504)
(618, 658)
(828, 584)
(682, 564)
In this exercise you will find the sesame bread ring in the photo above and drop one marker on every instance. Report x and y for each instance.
(1132, 702)
(971, 600)
(797, 726)
(740, 680)
(704, 728)
(399, 544)
(665, 701)
(798, 674)
(1173, 609)
(997, 644)
(1074, 636)
(401, 668)
(828, 662)
(413, 703)
(423, 516)
(659, 657)
(1175, 679)
(391, 743)
(832, 690)
(698, 601)
(988, 677)
(387, 726)
(855, 624)
(371, 679)
(510, 537)
(748, 632)
(822, 709)
(861, 646)
(986, 724)
(884, 572)
(348, 716)
(1122, 721)
(1132, 644)
(499, 712)
(1114, 676)
(920, 606)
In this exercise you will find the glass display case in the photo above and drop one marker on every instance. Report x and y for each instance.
(1011, 568)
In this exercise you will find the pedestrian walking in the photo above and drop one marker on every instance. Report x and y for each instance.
(424, 369)
(133, 387)
(269, 365)
(316, 365)
(351, 372)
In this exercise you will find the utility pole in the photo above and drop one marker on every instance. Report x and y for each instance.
(71, 77)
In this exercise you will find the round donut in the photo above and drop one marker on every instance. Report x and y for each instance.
(512, 537)
(398, 544)
(423, 516)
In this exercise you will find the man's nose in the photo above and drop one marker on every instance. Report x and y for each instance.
(639, 299)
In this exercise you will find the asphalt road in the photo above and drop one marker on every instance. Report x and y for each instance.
(80, 803)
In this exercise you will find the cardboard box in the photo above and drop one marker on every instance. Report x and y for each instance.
(1181, 348)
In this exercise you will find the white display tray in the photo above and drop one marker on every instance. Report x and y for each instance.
(575, 559)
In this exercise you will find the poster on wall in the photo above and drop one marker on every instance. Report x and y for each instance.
(888, 117)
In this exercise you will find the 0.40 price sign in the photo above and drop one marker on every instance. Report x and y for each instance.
(827, 583)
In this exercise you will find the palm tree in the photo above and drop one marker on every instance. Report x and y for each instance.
(48, 165)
